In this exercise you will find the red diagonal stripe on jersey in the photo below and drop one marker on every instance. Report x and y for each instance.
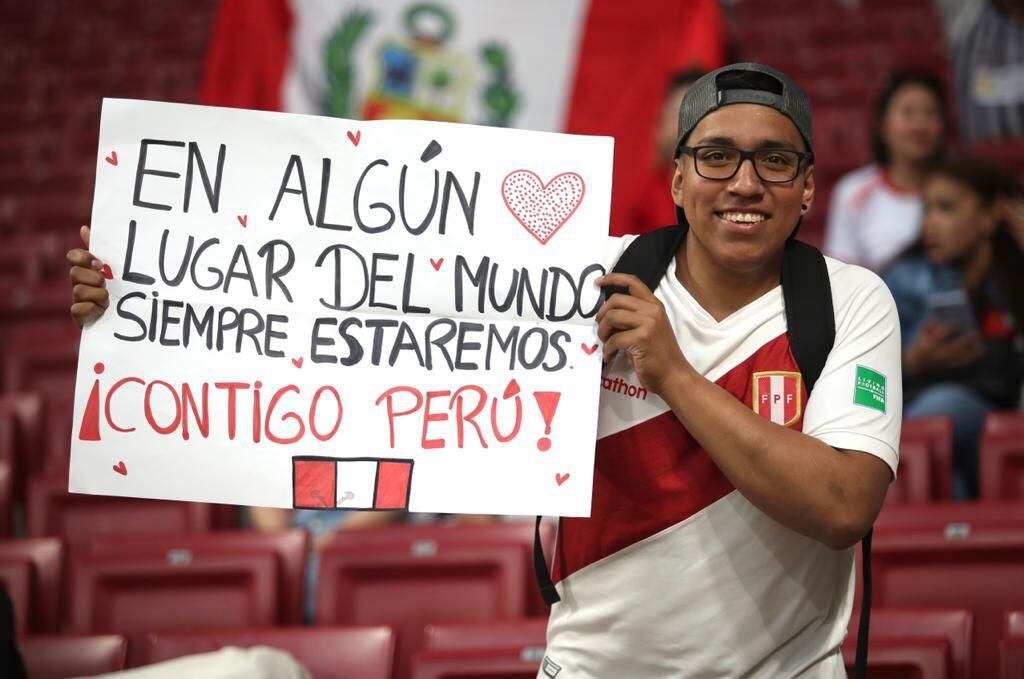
(654, 475)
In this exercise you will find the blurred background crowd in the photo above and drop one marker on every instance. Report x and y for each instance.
(919, 148)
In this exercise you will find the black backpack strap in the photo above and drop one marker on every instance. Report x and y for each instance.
(540, 569)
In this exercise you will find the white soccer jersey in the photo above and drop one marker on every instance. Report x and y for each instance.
(870, 221)
(676, 574)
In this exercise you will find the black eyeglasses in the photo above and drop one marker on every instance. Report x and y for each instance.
(775, 166)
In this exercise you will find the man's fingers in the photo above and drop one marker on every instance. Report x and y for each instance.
(635, 286)
(83, 311)
(84, 233)
(620, 341)
(615, 320)
(620, 301)
(90, 293)
(79, 274)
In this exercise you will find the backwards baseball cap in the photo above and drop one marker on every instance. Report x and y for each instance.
(744, 84)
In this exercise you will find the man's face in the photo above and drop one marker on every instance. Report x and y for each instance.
(742, 222)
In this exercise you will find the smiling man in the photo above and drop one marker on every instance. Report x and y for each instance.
(727, 500)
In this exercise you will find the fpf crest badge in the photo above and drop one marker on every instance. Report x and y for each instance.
(778, 396)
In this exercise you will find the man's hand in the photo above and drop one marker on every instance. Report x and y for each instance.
(937, 347)
(88, 293)
(638, 325)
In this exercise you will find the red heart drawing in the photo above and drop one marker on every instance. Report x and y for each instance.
(120, 468)
(106, 271)
(354, 138)
(297, 362)
(436, 263)
(589, 349)
(243, 220)
(561, 478)
(112, 158)
(542, 208)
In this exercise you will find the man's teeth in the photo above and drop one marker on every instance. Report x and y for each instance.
(743, 217)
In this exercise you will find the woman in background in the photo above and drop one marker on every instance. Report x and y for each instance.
(960, 295)
(875, 212)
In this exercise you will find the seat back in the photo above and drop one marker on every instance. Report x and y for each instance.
(492, 663)
(1001, 457)
(31, 570)
(58, 657)
(937, 434)
(954, 625)
(915, 481)
(921, 658)
(1011, 658)
(343, 652)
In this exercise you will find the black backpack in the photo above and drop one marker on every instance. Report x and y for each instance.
(806, 291)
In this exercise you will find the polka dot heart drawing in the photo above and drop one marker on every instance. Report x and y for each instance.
(542, 208)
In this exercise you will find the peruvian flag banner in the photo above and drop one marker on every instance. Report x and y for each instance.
(597, 67)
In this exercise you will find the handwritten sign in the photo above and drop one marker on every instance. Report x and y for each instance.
(317, 312)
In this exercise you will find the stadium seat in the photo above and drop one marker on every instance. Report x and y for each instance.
(516, 634)
(1011, 658)
(920, 550)
(409, 576)
(6, 496)
(289, 546)
(915, 480)
(184, 581)
(342, 652)
(76, 517)
(489, 663)
(903, 659)
(1001, 457)
(953, 625)
(48, 367)
(59, 657)
(25, 415)
(937, 434)
(30, 569)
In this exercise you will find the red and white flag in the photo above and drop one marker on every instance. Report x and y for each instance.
(581, 66)
(778, 396)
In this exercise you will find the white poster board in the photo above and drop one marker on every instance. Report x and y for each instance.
(317, 312)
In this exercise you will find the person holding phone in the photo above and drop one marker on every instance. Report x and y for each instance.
(960, 295)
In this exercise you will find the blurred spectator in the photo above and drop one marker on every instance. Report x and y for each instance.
(876, 211)
(960, 295)
(654, 207)
(986, 39)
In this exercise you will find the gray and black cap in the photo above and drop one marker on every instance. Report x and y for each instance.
(718, 89)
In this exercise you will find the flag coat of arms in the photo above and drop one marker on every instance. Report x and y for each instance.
(778, 396)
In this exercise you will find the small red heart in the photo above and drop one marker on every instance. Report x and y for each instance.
(106, 271)
(436, 263)
(589, 349)
(297, 362)
(243, 220)
(112, 158)
(121, 469)
(561, 478)
(354, 138)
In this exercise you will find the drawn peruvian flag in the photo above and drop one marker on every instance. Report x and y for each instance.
(357, 483)
(777, 396)
(581, 66)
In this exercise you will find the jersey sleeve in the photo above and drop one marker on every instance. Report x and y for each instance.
(857, 403)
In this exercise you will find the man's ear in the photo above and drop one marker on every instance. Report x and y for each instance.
(677, 182)
(807, 198)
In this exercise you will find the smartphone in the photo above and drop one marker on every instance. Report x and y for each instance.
(952, 309)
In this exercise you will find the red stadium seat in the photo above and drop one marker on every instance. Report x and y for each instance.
(954, 626)
(31, 571)
(184, 581)
(1011, 658)
(6, 496)
(516, 634)
(409, 576)
(489, 663)
(24, 414)
(45, 366)
(920, 551)
(903, 658)
(343, 652)
(78, 517)
(915, 480)
(53, 657)
(937, 434)
(1001, 457)
(289, 546)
